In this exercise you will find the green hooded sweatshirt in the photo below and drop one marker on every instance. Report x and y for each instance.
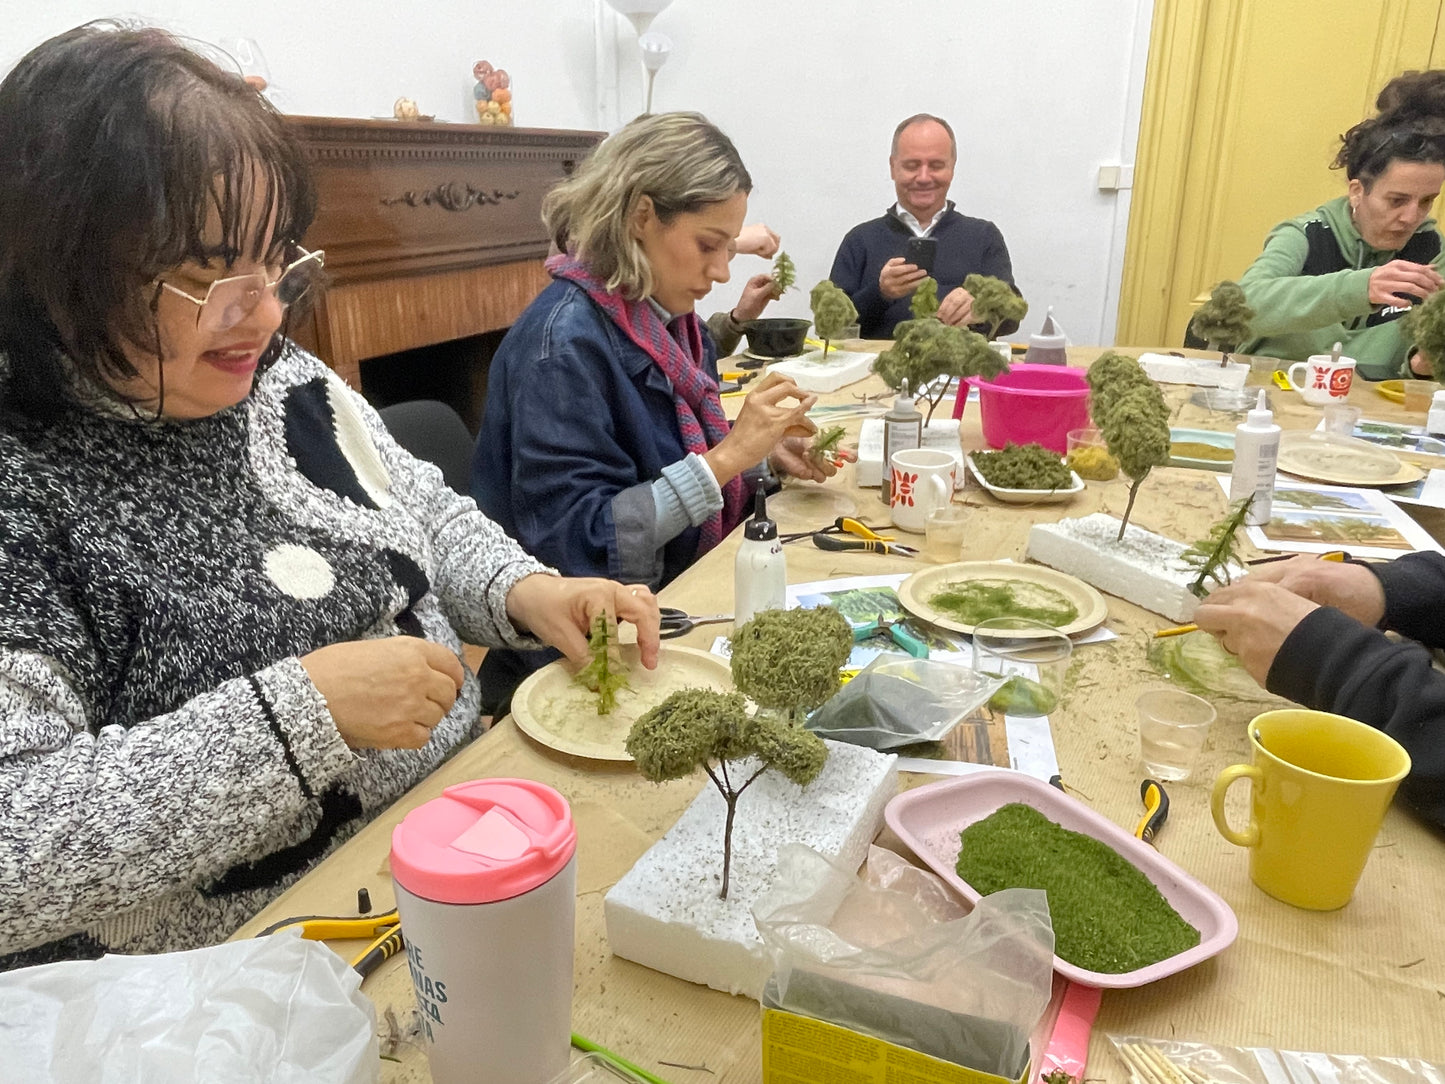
(1298, 313)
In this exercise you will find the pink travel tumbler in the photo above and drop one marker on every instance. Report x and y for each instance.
(486, 880)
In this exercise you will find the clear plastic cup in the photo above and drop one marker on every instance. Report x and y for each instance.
(1341, 418)
(944, 530)
(1032, 655)
(1088, 456)
(1418, 394)
(1172, 729)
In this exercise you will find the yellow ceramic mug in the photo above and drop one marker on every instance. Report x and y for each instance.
(1320, 785)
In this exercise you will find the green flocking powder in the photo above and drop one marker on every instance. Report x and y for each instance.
(1108, 917)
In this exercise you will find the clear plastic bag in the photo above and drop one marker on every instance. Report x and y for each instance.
(896, 701)
(276, 1009)
(1200, 1063)
(894, 957)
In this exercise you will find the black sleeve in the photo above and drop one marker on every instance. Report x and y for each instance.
(1331, 662)
(1415, 596)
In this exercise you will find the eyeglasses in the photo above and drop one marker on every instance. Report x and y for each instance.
(229, 301)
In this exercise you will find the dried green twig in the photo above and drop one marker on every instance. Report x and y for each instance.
(599, 674)
(1212, 557)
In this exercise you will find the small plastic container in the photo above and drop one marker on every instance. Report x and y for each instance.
(1172, 729)
(1088, 456)
(1033, 655)
(595, 1069)
(943, 532)
(1030, 404)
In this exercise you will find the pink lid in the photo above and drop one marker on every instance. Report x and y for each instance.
(483, 841)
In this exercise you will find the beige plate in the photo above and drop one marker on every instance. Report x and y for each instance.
(1343, 461)
(550, 708)
(916, 590)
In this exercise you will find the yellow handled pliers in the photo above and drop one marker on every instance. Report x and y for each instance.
(383, 931)
(842, 525)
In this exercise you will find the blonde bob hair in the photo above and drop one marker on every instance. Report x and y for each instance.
(680, 161)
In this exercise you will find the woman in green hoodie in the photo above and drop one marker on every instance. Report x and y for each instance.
(1347, 271)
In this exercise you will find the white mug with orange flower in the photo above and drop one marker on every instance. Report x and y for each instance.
(922, 480)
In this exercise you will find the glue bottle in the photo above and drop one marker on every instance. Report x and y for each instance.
(902, 430)
(1256, 451)
(760, 571)
(1435, 420)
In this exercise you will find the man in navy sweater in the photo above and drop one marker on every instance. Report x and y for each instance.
(870, 266)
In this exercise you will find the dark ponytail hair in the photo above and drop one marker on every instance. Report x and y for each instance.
(117, 146)
(1408, 127)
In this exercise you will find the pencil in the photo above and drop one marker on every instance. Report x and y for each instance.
(1178, 630)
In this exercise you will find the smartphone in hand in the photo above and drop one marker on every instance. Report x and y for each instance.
(920, 252)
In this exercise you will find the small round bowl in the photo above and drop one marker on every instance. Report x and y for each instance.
(776, 337)
(1089, 457)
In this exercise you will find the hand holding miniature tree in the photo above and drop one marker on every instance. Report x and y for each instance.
(994, 302)
(833, 311)
(924, 302)
(1223, 321)
(788, 660)
(602, 675)
(1129, 410)
(1425, 326)
(702, 728)
(925, 350)
(826, 445)
(1212, 557)
(784, 274)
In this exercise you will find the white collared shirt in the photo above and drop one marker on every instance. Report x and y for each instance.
(918, 228)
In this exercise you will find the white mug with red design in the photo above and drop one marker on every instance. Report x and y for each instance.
(922, 480)
(1327, 379)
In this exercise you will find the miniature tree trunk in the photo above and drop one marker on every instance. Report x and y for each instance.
(1133, 492)
(730, 798)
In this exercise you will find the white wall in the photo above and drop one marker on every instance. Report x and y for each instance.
(1040, 92)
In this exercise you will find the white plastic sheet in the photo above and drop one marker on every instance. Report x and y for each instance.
(275, 1009)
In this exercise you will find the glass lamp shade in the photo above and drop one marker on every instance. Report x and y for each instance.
(639, 12)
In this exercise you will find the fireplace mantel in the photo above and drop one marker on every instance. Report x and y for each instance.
(432, 231)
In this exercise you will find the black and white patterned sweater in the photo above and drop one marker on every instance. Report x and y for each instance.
(166, 765)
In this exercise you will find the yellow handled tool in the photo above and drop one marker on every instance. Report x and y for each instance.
(1156, 810)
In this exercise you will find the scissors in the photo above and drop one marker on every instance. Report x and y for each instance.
(841, 525)
(677, 622)
(383, 931)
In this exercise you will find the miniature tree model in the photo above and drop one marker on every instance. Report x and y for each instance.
(1212, 556)
(924, 350)
(602, 675)
(1425, 325)
(784, 274)
(833, 311)
(994, 302)
(1133, 417)
(924, 302)
(1223, 321)
(788, 660)
(702, 728)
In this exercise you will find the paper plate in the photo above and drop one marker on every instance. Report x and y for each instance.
(1025, 496)
(930, 818)
(1202, 436)
(1393, 390)
(915, 591)
(1343, 461)
(562, 715)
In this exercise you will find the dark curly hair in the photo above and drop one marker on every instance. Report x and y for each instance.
(117, 144)
(1409, 127)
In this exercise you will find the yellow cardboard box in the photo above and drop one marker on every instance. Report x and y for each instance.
(801, 1050)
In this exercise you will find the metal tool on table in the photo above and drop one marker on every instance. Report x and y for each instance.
(841, 525)
(382, 930)
(677, 622)
(1156, 810)
(871, 545)
(898, 631)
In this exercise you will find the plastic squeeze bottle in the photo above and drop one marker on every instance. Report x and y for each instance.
(760, 571)
(1256, 451)
(1435, 420)
(902, 430)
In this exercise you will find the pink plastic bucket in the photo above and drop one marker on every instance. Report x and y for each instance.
(1031, 404)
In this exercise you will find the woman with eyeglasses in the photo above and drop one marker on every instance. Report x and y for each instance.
(231, 607)
(1348, 270)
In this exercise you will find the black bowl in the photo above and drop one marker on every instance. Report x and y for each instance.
(779, 337)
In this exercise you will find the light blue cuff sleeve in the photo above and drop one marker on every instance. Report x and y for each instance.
(686, 495)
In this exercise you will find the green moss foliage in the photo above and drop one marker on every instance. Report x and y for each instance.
(994, 302)
(924, 302)
(788, 660)
(833, 311)
(1212, 556)
(603, 674)
(1223, 321)
(784, 274)
(1130, 411)
(924, 351)
(1425, 327)
(1108, 917)
(1023, 466)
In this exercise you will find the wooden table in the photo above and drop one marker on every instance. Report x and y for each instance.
(1368, 979)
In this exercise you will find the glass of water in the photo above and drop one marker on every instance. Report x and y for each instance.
(1172, 729)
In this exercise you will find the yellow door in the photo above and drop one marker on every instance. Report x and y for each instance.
(1244, 103)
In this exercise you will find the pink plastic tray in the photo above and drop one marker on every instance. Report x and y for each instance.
(930, 818)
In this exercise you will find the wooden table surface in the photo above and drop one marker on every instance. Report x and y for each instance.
(1368, 979)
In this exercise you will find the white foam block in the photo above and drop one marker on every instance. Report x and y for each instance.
(941, 435)
(1169, 369)
(1143, 568)
(812, 372)
(665, 912)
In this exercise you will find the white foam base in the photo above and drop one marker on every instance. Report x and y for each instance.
(812, 373)
(665, 912)
(1168, 369)
(940, 435)
(1144, 568)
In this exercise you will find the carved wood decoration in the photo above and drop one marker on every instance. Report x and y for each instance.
(389, 197)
